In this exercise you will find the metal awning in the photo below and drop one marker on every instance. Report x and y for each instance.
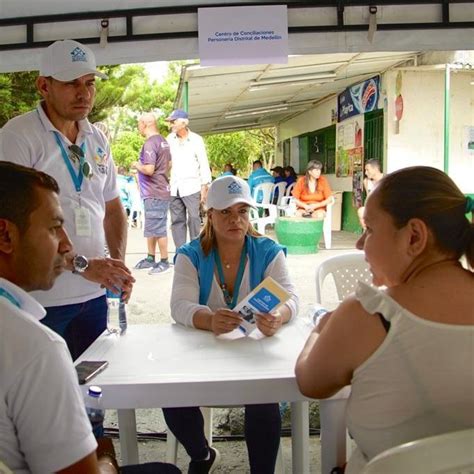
(233, 98)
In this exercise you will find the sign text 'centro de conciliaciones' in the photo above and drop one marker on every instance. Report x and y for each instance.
(358, 99)
(243, 35)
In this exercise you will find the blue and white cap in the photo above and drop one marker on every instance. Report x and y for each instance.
(67, 60)
(226, 191)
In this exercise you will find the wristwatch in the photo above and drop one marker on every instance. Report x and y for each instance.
(79, 264)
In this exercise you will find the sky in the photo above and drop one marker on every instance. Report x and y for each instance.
(157, 70)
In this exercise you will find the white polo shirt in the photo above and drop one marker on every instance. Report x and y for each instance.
(29, 140)
(43, 422)
(190, 167)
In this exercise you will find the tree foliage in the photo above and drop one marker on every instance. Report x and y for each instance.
(240, 149)
(17, 94)
(128, 93)
(126, 148)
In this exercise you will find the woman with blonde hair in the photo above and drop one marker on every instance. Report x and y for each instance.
(212, 274)
(408, 349)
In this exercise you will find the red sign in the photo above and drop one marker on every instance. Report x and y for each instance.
(399, 107)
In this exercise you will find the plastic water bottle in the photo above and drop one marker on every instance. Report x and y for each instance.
(116, 314)
(95, 410)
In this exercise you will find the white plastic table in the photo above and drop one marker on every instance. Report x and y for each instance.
(156, 366)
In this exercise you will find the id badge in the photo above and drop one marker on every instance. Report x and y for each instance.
(82, 218)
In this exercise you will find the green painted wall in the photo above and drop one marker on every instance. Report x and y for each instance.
(469, 215)
(350, 221)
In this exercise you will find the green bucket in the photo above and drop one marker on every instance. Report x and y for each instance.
(300, 235)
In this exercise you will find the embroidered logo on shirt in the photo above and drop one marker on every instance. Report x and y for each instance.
(234, 188)
(100, 158)
(78, 54)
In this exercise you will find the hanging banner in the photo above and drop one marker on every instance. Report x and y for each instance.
(358, 99)
(350, 146)
(243, 35)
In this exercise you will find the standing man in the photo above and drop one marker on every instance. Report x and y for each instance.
(57, 138)
(153, 168)
(190, 178)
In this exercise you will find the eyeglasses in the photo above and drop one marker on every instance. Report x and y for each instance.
(77, 154)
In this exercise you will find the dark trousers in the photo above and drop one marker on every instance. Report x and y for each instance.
(150, 468)
(184, 212)
(262, 434)
(79, 324)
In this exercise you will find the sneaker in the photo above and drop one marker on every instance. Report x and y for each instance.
(160, 267)
(144, 263)
(206, 466)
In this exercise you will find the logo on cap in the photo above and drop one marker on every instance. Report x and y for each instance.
(234, 188)
(78, 54)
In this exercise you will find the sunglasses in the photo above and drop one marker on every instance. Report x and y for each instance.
(78, 155)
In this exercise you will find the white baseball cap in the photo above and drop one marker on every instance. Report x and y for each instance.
(227, 191)
(67, 60)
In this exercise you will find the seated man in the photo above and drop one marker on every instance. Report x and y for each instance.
(43, 422)
(258, 176)
(373, 174)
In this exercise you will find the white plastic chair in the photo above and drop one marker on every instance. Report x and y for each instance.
(442, 454)
(260, 222)
(281, 187)
(289, 189)
(346, 269)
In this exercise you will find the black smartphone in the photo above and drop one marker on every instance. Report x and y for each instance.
(89, 368)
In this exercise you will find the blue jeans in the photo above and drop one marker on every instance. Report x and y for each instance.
(79, 324)
(262, 434)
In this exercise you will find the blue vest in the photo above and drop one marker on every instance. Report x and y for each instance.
(260, 251)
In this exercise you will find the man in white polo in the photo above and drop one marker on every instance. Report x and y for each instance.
(190, 178)
(58, 139)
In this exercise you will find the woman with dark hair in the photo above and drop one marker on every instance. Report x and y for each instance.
(312, 192)
(212, 274)
(407, 349)
(290, 175)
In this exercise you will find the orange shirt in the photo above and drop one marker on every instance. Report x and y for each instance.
(302, 193)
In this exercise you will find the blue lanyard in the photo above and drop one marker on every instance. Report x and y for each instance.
(231, 302)
(76, 178)
(5, 294)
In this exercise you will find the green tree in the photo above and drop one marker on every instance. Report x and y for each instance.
(17, 94)
(241, 149)
(126, 148)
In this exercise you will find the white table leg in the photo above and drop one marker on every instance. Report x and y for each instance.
(128, 436)
(300, 437)
(333, 433)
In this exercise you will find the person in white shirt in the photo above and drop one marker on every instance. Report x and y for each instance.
(43, 422)
(58, 139)
(373, 174)
(407, 350)
(190, 178)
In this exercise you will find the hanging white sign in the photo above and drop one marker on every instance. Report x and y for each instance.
(243, 35)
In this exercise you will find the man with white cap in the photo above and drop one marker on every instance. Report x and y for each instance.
(190, 177)
(58, 139)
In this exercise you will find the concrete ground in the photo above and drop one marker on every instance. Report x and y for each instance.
(149, 304)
